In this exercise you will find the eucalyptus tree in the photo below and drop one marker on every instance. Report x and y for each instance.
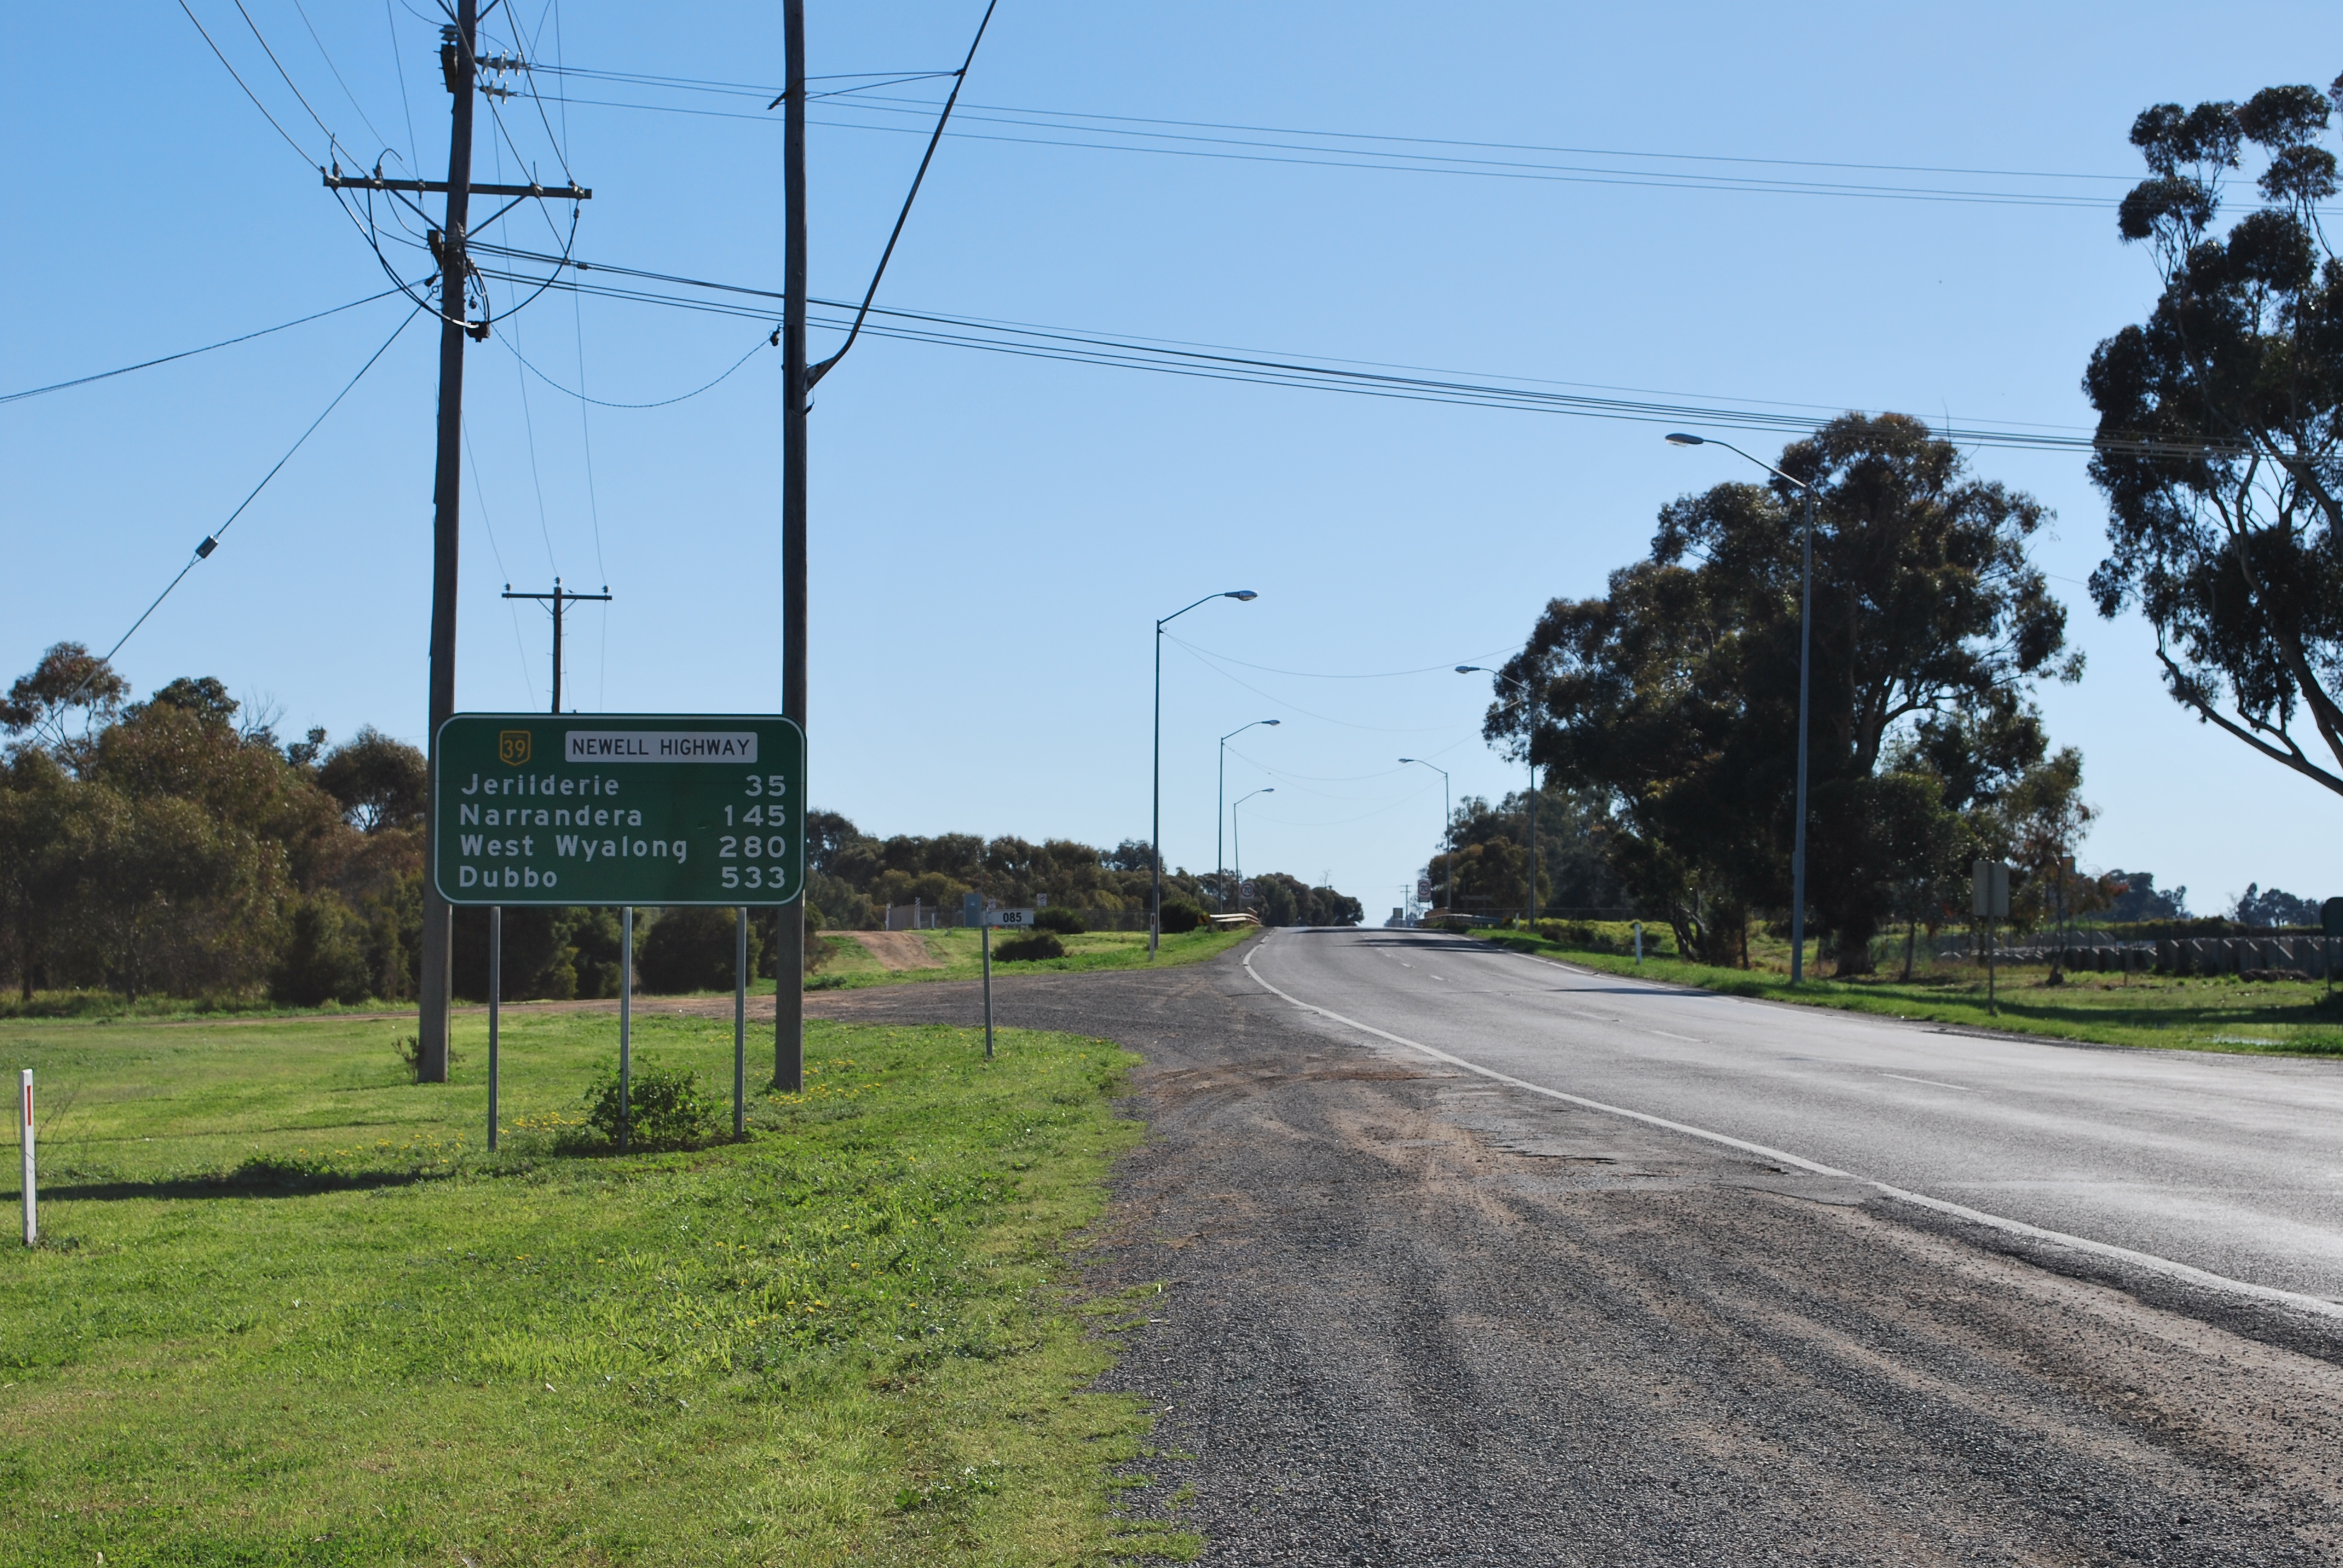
(1676, 692)
(2221, 438)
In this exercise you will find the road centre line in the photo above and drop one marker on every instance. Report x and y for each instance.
(2169, 1268)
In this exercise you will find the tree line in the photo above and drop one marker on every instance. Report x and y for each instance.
(851, 878)
(178, 846)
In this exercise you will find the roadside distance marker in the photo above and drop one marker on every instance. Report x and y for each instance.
(625, 809)
(1008, 919)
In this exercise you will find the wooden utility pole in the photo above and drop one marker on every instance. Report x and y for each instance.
(789, 936)
(456, 55)
(460, 65)
(560, 598)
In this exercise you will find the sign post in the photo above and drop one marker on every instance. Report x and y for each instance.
(741, 1021)
(1989, 901)
(495, 1004)
(624, 810)
(2330, 924)
(1015, 919)
(625, 1021)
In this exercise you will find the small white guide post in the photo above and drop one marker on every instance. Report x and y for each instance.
(32, 1223)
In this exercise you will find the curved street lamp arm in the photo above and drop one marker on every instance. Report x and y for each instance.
(1801, 484)
(1184, 610)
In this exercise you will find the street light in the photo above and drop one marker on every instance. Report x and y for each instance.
(1806, 640)
(1219, 816)
(1530, 702)
(1447, 824)
(1236, 838)
(1155, 829)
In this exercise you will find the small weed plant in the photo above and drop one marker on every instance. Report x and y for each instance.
(410, 1055)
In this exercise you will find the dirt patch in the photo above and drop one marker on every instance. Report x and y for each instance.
(897, 950)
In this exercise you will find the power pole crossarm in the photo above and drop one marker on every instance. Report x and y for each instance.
(338, 181)
(560, 598)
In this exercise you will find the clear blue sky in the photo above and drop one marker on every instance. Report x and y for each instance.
(993, 535)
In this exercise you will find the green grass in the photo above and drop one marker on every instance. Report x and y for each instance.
(2199, 1013)
(288, 1310)
(851, 964)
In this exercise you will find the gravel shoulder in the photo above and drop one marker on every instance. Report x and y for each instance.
(1409, 1316)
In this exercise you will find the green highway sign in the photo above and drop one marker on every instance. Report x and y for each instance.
(619, 808)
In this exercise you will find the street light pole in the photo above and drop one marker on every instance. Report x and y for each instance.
(1236, 839)
(1220, 818)
(1529, 700)
(1447, 824)
(1155, 827)
(1806, 647)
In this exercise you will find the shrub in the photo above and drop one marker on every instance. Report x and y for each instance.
(324, 958)
(1065, 922)
(664, 1110)
(690, 949)
(1026, 946)
(1179, 915)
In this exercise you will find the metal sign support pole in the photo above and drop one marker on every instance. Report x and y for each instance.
(1991, 1005)
(741, 1024)
(986, 939)
(32, 1223)
(496, 1002)
(626, 1015)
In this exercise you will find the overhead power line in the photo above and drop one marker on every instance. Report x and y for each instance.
(1244, 142)
(1520, 394)
(203, 551)
(298, 149)
(659, 403)
(959, 78)
(190, 353)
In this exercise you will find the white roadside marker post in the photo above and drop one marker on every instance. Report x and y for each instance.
(31, 1224)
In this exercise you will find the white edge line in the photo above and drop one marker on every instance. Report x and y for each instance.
(1931, 1083)
(2317, 1305)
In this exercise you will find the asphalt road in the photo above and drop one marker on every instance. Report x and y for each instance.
(1389, 1310)
(2229, 1164)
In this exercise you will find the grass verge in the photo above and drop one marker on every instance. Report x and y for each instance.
(288, 1311)
(957, 958)
(2195, 1013)
(849, 965)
